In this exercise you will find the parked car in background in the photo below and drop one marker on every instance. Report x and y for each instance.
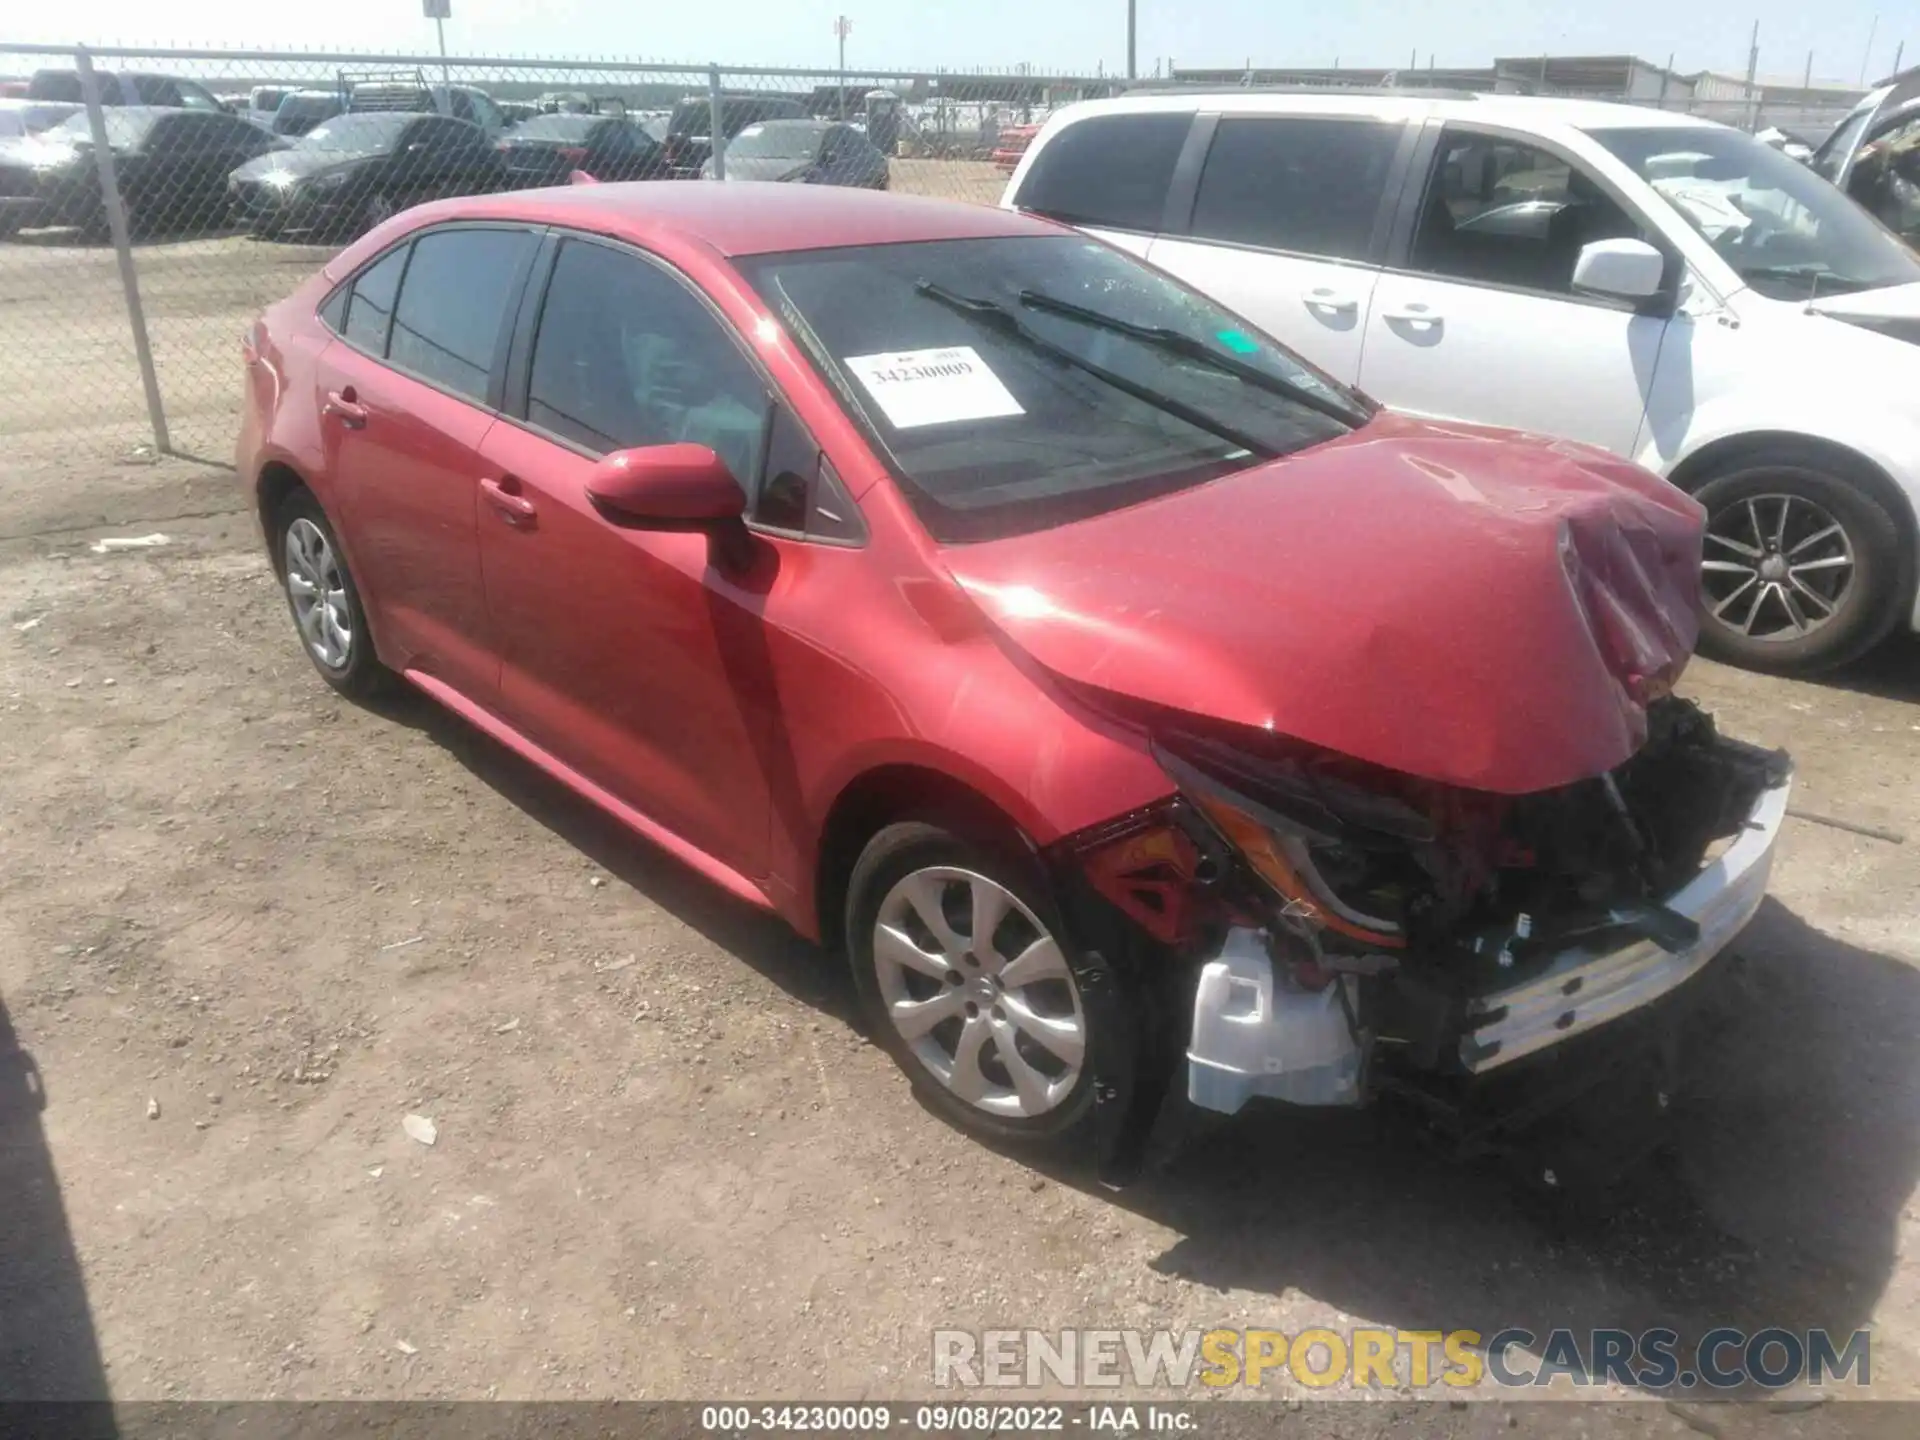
(13, 89)
(688, 144)
(171, 166)
(169, 91)
(355, 171)
(1662, 287)
(458, 102)
(1011, 143)
(301, 110)
(32, 117)
(547, 149)
(514, 111)
(807, 152)
(1003, 613)
(262, 103)
(1874, 154)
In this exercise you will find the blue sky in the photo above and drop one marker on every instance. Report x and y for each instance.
(1060, 35)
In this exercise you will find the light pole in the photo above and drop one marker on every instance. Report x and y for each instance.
(1133, 26)
(842, 28)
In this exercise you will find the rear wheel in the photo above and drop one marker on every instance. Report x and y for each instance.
(323, 599)
(962, 970)
(1803, 569)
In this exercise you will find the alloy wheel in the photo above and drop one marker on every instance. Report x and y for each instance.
(980, 992)
(1777, 567)
(319, 594)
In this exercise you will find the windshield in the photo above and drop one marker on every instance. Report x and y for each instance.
(125, 128)
(1787, 232)
(695, 117)
(787, 141)
(556, 127)
(992, 436)
(355, 134)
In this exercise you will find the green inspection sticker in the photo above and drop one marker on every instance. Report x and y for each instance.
(1239, 342)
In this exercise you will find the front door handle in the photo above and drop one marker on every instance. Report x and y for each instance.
(1326, 298)
(345, 406)
(505, 497)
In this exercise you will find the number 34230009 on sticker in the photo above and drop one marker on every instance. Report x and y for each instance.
(932, 387)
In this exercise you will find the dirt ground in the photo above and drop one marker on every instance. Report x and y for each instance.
(246, 928)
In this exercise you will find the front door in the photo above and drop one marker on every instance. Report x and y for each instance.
(1481, 323)
(1288, 225)
(404, 394)
(626, 653)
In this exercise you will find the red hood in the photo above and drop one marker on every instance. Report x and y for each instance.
(1467, 605)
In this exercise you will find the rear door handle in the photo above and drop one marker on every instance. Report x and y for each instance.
(1414, 314)
(505, 497)
(346, 408)
(1323, 297)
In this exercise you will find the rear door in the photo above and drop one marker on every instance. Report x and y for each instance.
(1477, 318)
(1111, 175)
(408, 392)
(1289, 226)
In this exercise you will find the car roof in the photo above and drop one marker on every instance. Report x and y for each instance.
(1521, 111)
(748, 218)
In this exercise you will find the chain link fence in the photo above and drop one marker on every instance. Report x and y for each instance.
(152, 202)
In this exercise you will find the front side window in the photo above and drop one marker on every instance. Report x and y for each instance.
(198, 97)
(448, 321)
(1111, 170)
(1786, 232)
(370, 304)
(1307, 183)
(627, 356)
(1025, 381)
(1499, 212)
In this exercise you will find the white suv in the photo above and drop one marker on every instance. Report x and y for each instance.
(1665, 288)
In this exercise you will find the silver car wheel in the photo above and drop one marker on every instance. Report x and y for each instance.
(318, 590)
(980, 992)
(1777, 567)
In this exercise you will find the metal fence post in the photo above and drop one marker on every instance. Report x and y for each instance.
(122, 245)
(719, 122)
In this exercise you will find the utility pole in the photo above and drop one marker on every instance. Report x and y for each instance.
(1898, 51)
(1133, 35)
(1753, 67)
(1866, 60)
(1806, 81)
(842, 28)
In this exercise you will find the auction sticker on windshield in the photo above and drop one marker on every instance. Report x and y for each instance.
(933, 387)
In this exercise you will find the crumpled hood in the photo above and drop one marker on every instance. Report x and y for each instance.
(1472, 606)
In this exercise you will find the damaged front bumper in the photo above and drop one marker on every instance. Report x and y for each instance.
(1255, 1033)
(1581, 989)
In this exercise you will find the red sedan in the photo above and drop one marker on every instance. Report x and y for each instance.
(1124, 697)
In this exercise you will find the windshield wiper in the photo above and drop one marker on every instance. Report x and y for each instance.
(1003, 321)
(1175, 343)
(1812, 276)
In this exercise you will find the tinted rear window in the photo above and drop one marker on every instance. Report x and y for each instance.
(1112, 170)
(447, 324)
(1308, 184)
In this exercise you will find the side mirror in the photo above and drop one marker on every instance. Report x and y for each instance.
(1624, 269)
(667, 487)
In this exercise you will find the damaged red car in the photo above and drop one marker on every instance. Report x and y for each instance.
(1134, 707)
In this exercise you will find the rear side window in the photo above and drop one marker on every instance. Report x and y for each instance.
(1112, 170)
(1309, 184)
(447, 324)
(370, 306)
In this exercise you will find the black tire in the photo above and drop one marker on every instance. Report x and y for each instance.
(894, 854)
(359, 675)
(1863, 613)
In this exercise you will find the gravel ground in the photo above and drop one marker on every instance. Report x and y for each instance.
(246, 929)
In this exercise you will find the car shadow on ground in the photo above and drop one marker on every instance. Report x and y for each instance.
(1794, 1145)
(48, 1349)
(1890, 671)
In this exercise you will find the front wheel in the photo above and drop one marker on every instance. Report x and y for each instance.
(1803, 569)
(961, 967)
